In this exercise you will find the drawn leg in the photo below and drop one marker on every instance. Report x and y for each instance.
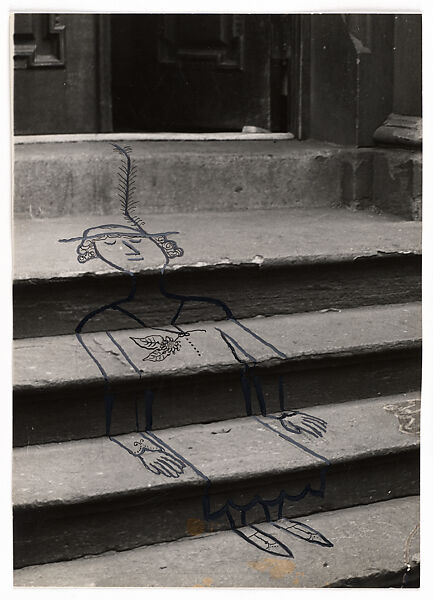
(108, 393)
(237, 351)
(108, 404)
(147, 403)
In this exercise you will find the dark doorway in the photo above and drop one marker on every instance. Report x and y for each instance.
(201, 73)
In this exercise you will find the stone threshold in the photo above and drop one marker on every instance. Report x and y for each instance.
(151, 137)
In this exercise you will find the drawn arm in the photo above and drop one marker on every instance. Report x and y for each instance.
(154, 457)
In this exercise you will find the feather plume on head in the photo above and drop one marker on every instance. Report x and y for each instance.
(126, 186)
(86, 250)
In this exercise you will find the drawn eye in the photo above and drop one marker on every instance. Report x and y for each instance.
(135, 241)
(110, 243)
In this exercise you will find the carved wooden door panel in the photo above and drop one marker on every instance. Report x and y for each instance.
(193, 72)
(61, 74)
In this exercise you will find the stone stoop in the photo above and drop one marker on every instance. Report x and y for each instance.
(271, 229)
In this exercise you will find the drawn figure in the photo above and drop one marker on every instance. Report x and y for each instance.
(122, 247)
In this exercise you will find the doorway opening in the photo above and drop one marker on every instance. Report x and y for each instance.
(203, 73)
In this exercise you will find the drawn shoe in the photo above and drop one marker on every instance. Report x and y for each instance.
(264, 541)
(301, 531)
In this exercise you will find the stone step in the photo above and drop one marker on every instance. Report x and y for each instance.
(85, 497)
(69, 178)
(52, 180)
(257, 262)
(313, 358)
(372, 546)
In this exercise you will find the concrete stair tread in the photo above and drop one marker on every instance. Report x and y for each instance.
(212, 239)
(243, 449)
(60, 361)
(370, 546)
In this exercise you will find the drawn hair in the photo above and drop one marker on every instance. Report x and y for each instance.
(86, 251)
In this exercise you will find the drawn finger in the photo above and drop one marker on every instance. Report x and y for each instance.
(176, 468)
(174, 461)
(315, 430)
(311, 431)
(173, 468)
(150, 467)
(315, 424)
(314, 418)
(165, 469)
(290, 427)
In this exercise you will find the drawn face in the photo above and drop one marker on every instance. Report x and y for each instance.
(124, 252)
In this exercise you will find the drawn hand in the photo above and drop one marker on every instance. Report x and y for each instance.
(163, 463)
(157, 460)
(299, 422)
(153, 456)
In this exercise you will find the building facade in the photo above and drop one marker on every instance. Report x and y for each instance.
(330, 77)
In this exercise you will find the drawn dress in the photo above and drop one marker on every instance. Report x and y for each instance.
(147, 351)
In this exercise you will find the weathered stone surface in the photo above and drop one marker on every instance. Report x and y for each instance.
(89, 496)
(88, 469)
(400, 130)
(56, 306)
(256, 237)
(358, 179)
(331, 357)
(60, 415)
(384, 180)
(258, 262)
(57, 361)
(397, 182)
(52, 180)
(175, 136)
(371, 545)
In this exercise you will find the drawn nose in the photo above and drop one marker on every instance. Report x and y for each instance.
(134, 252)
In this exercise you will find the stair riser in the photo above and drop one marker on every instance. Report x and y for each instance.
(57, 179)
(73, 531)
(80, 178)
(62, 414)
(55, 307)
(411, 579)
